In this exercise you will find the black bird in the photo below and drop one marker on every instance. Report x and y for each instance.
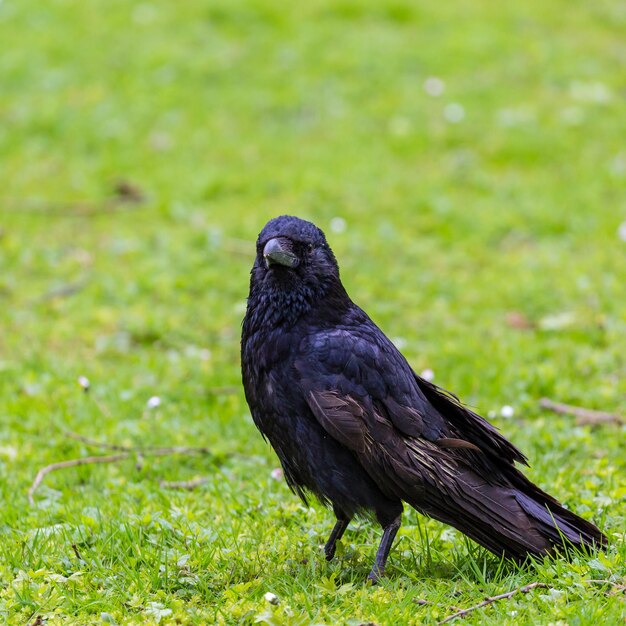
(353, 424)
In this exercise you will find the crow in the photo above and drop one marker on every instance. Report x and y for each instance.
(353, 425)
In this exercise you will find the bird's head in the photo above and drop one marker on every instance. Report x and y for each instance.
(294, 259)
(289, 243)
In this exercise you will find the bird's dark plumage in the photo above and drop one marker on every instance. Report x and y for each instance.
(355, 426)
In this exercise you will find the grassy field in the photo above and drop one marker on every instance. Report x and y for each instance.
(467, 162)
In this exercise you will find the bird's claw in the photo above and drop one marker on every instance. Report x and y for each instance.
(375, 575)
(329, 551)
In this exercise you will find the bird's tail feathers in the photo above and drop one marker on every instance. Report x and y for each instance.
(560, 526)
(515, 521)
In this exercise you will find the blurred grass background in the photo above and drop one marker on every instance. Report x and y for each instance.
(467, 162)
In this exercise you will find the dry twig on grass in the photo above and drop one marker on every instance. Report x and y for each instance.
(616, 587)
(583, 416)
(88, 460)
(492, 599)
(126, 452)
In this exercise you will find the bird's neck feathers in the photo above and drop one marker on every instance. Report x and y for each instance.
(283, 303)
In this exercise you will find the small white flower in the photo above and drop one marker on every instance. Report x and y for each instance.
(83, 381)
(153, 402)
(507, 411)
(338, 225)
(272, 598)
(621, 231)
(8, 451)
(157, 611)
(277, 473)
(434, 86)
(428, 374)
(453, 112)
(558, 321)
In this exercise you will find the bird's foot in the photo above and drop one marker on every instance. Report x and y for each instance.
(375, 575)
(329, 550)
(337, 533)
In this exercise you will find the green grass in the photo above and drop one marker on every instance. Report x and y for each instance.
(225, 114)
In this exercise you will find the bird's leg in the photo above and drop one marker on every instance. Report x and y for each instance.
(336, 534)
(389, 534)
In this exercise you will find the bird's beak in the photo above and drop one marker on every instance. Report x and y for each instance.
(277, 251)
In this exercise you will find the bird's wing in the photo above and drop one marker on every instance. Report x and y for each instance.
(363, 391)
(360, 362)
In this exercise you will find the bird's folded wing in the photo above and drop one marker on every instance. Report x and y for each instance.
(401, 466)
(369, 379)
(341, 417)
(362, 390)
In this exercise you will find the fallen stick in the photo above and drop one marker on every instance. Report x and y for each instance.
(583, 416)
(88, 460)
(603, 581)
(616, 587)
(491, 600)
(112, 458)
